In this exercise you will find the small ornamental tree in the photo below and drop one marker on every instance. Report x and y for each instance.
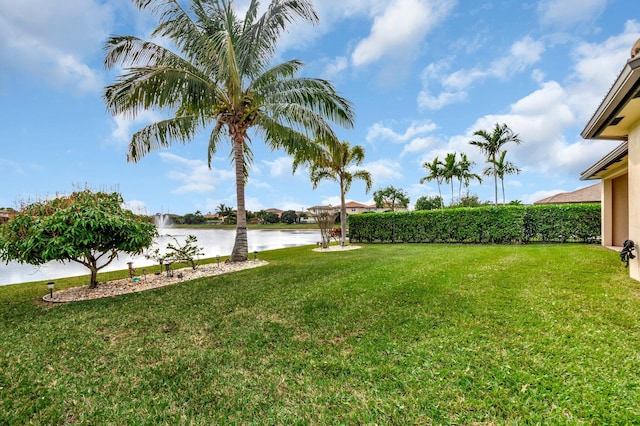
(289, 217)
(187, 253)
(84, 227)
(429, 202)
(391, 198)
(325, 220)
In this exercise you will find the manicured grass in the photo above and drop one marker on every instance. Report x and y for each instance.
(389, 334)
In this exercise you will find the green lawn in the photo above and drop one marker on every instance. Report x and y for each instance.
(389, 334)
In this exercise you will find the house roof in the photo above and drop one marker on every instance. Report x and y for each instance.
(589, 194)
(612, 159)
(355, 204)
(620, 108)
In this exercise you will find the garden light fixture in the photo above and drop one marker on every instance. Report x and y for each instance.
(50, 285)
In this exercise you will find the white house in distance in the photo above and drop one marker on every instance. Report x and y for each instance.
(618, 119)
(353, 207)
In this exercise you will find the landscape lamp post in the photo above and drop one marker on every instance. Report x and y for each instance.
(255, 254)
(218, 259)
(50, 285)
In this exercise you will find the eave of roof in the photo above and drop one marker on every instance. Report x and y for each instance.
(622, 92)
(605, 162)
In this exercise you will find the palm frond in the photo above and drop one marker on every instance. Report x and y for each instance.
(366, 177)
(162, 134)
(160, 87)
(260, 38)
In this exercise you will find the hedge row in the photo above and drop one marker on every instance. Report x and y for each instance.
(481, 225)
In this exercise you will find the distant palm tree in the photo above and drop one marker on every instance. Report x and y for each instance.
(465, 174)
(491, 145)
(222, 76)
(502, 168)
(221, 211)
(450, 170)
(335, 162)
(435, 173)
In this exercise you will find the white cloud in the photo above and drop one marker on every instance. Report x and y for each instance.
(383, 170)
(418, 145)
(540, 119)
(280, 166)
(400, 28)
(428, 101)
(596, 67)
(54, 40)
(253, 204)
(522, 54)
(379, 131)
(334, 68)
(194, 175)
(123, 124)
(331, 201)
(567, 13)
(136, 206)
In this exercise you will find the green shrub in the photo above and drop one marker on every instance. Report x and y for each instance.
(484, 225)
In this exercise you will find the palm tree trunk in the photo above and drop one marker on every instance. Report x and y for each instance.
(440, 193)
(495, 183)
(240, 247)
(504, 200)
(451, 191)
(343, 215)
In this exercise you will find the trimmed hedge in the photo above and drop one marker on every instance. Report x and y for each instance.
(481, 225)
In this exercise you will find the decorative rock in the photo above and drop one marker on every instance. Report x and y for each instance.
(127, 285)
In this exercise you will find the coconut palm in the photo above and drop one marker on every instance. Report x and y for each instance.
(336, 162)
(465, 175)
(435, 173)
(220, 76)
(502, 168)
(450, 170)
(491, 145)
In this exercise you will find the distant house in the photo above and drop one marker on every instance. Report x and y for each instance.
(589, 194)
(6, 214)
(617, 118)
(316, 210)
(353, 207)
(277, 212)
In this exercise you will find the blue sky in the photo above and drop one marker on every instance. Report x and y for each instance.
(423, 75)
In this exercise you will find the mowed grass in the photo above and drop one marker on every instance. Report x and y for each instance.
(388, 334)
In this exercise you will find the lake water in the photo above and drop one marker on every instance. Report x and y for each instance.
(214, 241)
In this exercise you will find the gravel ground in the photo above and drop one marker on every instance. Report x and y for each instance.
(148, 281)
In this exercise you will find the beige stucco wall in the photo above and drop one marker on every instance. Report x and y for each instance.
(620, 216)
(615, 205)
(606, 211)
(634, 198)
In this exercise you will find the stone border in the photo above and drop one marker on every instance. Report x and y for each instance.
(148, 282)
(331, 249)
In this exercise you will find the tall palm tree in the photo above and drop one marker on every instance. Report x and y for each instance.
(450, 170)
(491, 145)
(465, 174)
(435, 173)
(220, 76)
(502, 168)
(336, 162)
